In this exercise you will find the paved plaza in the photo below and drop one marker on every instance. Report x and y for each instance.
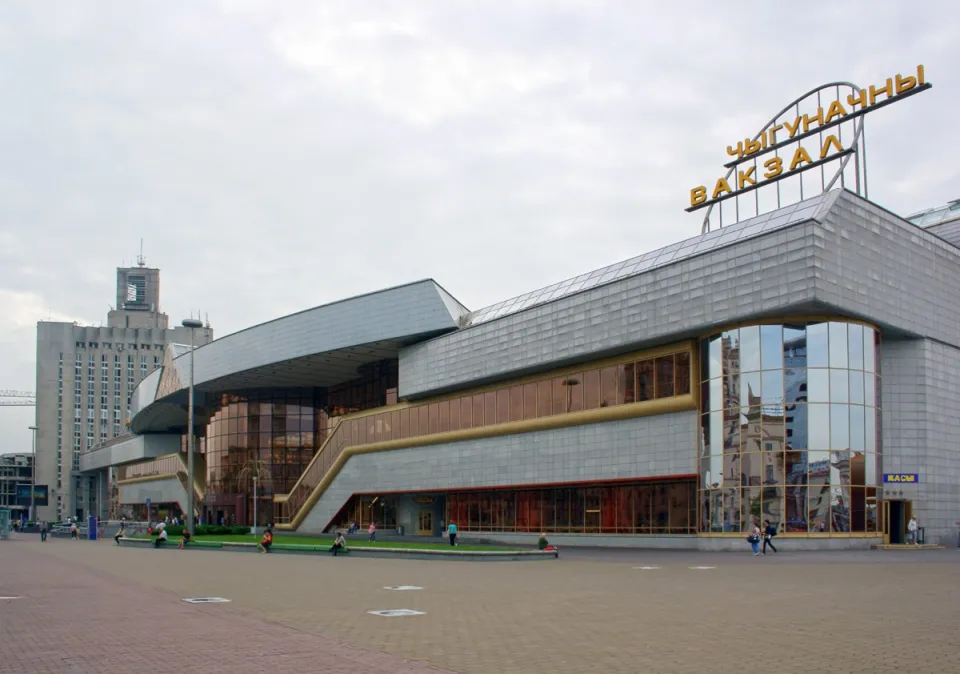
(93, 607)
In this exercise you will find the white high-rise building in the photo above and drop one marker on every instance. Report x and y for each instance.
(85, 376)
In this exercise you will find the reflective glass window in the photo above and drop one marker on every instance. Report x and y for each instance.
(591, 389)
(772, 387)
(869, 350)
(665, 377)
(771, 347)
(839, 386)
(682, 386)
(855, 345)
(715, 357)
(609, 380)
(645, 380)
(750, 348)
(869, 389)
(839, 349)
(857, 428)
(794, 346)
(818, 427)
(730, 360)
(716, 394)
(856, 387)
(817, 349)
(870, 430)
(818, 386)
(839, 426)
(795, 385)
(750, 388)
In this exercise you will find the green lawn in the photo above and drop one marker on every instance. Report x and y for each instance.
(281, 541)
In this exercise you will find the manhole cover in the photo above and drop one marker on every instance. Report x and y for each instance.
(647, 568)
(396, 612)
(698, 568)
(402, 587)
(205, 600)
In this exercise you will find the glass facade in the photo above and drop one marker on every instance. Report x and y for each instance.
(622, 508)
(663, 376)
(789, 428)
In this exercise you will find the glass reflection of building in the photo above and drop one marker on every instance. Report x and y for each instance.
(789, 428)
(269, 436)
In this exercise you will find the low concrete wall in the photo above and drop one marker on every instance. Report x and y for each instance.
(739, 544)
(675, 542)
(584, 540)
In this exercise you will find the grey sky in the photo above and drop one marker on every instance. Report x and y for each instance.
(275, 156)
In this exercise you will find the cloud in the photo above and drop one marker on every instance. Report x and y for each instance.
(274, 156)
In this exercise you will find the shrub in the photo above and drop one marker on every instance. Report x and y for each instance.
(207, 530)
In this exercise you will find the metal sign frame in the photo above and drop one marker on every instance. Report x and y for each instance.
(835, 151)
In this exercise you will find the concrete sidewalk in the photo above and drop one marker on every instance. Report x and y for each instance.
(70, 618)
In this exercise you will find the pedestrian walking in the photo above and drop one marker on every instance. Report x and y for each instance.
(120, 532)
(373, 533)
(452, 533)
(912, 529)
(754, 540)
(769, 531)
(43, 532)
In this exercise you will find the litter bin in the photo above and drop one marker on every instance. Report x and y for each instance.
(400, 530)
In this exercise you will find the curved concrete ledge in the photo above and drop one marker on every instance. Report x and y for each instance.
(367, 551)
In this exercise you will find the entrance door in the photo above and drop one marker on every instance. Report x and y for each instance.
(895, 522)
(425, 523)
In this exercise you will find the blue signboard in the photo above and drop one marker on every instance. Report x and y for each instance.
(41, 495)
(901, 478)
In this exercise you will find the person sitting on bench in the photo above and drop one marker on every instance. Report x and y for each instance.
(266, 541)
(185, 539)
(161, 538)
(338, 544)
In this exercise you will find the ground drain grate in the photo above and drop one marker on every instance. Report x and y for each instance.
(396, 612)
(205, 600)
(402, 587)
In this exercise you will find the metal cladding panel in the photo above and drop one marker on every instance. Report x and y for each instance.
(146, 391)
(949, 231)
(407, 312)
(129, 450)
(848, 257)
(877, 266)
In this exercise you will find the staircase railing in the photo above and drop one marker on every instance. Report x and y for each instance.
(287, 506)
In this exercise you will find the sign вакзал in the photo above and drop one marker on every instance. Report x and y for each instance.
(792, 132)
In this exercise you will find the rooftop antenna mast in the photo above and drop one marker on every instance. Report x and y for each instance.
(141, 260)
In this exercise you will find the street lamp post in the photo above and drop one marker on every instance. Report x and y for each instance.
(254, 505)
(32, 515)
(192, 324)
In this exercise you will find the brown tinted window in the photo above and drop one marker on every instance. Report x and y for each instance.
(479, 411)
(434, 418)
(414, 422)
(559, 395)
(455, 415)
(544, 397)
(645, 380)
(665, 377)
(608, 387)
(627, 382)
(516, 403)
(574, 384)
(489, 408)
(503, 405)
(530, 401)
(444, 416)
(591, 389)
(466, 412)
(424, 419)
(683, 374)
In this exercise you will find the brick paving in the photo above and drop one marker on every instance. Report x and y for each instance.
(807, 612)
(71, 618)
